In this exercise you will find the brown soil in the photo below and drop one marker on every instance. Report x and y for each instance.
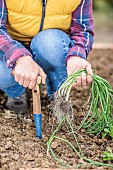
(20, 147)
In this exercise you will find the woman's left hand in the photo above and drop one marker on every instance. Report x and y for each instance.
(77, 63)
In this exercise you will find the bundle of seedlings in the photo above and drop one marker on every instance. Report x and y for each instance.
(99, 117)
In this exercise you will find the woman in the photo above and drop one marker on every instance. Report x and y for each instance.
(50, 38)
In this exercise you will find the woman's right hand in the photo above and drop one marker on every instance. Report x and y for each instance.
(26, 72)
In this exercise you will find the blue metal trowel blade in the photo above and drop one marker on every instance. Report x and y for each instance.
(38, 124)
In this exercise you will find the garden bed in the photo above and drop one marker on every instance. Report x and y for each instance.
(19, 146)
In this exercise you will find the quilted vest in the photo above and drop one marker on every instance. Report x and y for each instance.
(24, 16)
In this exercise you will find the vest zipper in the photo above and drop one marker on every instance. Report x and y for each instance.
(44, 2)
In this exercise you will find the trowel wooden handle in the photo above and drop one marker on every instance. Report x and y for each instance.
(36, 97)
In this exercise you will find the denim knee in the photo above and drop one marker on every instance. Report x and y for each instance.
(50, 47)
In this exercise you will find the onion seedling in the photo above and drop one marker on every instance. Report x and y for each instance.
(100, 113)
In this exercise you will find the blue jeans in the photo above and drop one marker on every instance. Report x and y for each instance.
(49, 49)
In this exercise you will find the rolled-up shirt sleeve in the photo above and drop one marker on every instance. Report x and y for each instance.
(10, 49)
(82, 30)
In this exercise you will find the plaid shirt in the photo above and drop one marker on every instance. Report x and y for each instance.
(81, 35)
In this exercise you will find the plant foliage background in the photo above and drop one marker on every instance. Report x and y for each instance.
(103, 20)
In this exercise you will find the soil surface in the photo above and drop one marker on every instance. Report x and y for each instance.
(20, 148)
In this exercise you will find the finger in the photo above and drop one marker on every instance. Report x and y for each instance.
(89, 79)
(79, 81)
(43, 79)
(27, 80)
(26, 83)
(32, 84)
(21, 80)
(17, 77)
(33, 80)
(39, 80)
(89, 70)
(43, 75)
(83, 79)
